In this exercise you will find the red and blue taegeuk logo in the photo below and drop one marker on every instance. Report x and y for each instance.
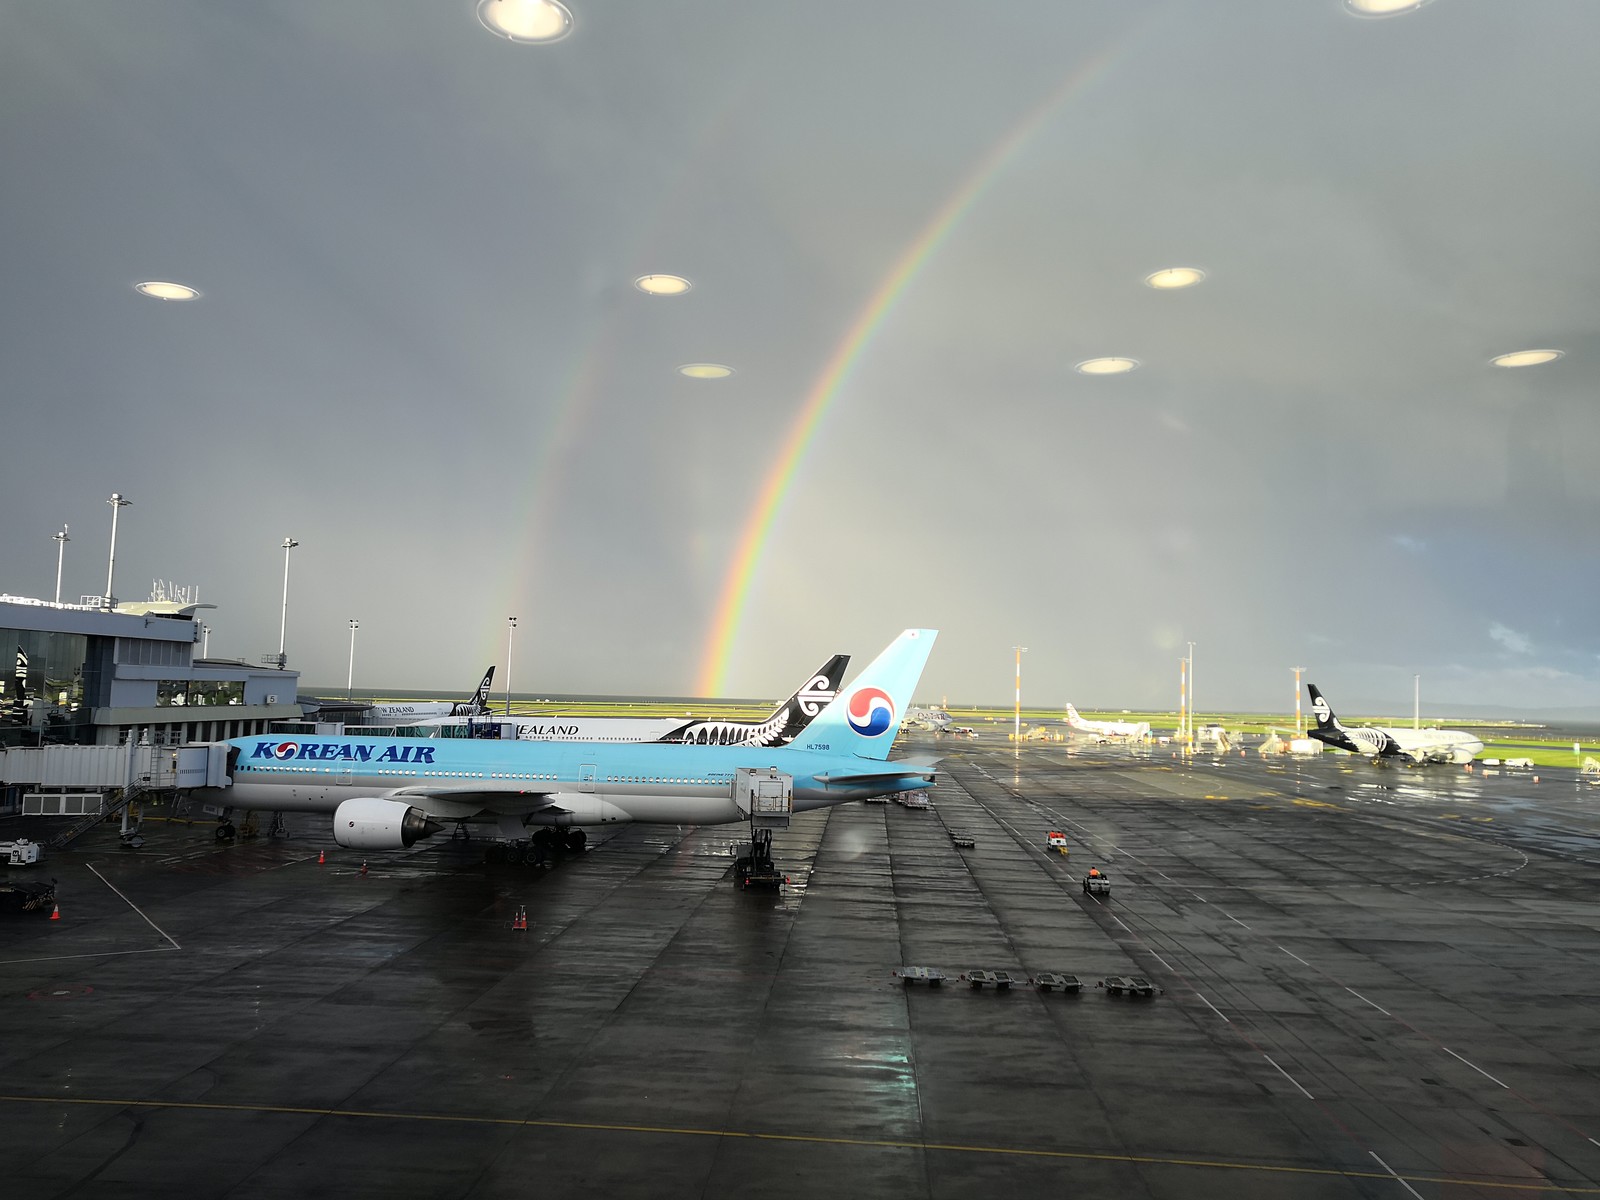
(870, 711)
(286, 749)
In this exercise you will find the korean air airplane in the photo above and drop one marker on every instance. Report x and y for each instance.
(386, 793)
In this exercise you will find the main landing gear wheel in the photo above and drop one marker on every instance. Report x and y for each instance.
(226, 832)
(577, 839)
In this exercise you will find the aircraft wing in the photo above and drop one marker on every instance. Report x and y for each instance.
(464, 799)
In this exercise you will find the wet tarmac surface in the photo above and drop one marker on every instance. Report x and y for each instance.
(1377, 982)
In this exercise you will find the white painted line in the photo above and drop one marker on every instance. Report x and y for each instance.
(1289, 1077)
(1213, 1008)
(1397, 1178)
(1596, 1143)
(1235, 919)
(1118, 920)
(101, 954)
(1296, 957)
(1474, 1066)
(1161, 960)
(1364, 1000)
(135, 907)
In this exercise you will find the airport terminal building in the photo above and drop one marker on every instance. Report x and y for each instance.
(82, 674)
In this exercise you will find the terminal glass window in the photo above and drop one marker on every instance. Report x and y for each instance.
(139, 652)
(186, 693)
(42, 687)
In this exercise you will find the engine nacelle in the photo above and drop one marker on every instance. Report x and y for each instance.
(372, 823)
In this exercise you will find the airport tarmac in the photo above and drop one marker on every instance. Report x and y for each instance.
(1377, 982)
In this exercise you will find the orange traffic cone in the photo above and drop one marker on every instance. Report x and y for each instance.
(363, 866)
(322, 857)
(520, 921)
(55, 913)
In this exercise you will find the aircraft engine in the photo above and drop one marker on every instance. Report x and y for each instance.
(372, 823)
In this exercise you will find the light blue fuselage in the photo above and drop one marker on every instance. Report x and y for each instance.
(588, 782)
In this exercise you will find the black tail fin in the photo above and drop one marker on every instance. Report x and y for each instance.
(1326, 721)
(814, 695)
(480, 698)
(786, 721)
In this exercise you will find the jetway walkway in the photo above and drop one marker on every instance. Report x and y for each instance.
(89, 784)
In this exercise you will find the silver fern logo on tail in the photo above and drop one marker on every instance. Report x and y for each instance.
(785, 723)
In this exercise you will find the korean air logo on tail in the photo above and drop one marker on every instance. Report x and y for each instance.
(870, 712)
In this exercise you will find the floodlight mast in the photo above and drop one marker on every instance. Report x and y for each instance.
(511, 633)
(118, 502)
(1016, 734)
(61, 549)
(1192, 708)
(350, 679)
(283, 626)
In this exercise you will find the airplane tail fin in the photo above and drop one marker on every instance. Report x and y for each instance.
(863, 718)
(1073, 718)
(785, 724)
(1327, 722)
(480, 698)
(811, 697)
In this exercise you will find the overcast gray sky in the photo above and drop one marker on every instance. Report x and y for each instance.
(419, 349)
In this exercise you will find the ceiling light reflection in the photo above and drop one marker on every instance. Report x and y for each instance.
(1525, 358)
(1171, 278)
(663, 285)
(1107, 366)
(1383, 8)
(166, 291)
(531, 22)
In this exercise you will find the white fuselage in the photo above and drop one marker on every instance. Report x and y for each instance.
(1437, 745)
(563, 729)
(1118, 730)
(409, 714)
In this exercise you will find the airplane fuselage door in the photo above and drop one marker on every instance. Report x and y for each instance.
(586, 774)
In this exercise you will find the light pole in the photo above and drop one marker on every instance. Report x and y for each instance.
(1183, 701)
(1192, 708)
(1297, 729)
(117, 504)
(205, 640)
(1416, 702)
(283, 625)
(511, 633)
(350, 680)
(61, 549)
(1016, 734)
